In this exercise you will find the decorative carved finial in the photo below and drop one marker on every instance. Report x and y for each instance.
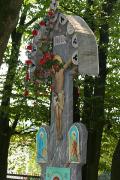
(54, 4)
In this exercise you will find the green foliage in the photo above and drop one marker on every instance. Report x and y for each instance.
(35, 108)
(28, 113)
(110, 138)
(22, 156)
(111, 132)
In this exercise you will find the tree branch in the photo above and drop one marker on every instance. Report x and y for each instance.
(15, 123)
(31, 21)
(9, 12)
(23, 133)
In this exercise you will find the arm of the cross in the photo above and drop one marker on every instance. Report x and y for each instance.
(71, 61)
(67, 64)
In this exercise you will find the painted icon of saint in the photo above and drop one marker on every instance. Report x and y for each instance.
(56, 178)
(42, 146)
(74, 153)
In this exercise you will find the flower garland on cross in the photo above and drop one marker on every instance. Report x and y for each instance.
(38, 69)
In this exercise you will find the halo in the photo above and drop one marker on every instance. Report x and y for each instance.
(41, 134)
(57, 57)
(73, 133)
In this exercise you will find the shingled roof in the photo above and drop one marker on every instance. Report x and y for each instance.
(87, 46)
(79, 24)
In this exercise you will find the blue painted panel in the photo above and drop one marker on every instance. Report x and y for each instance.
(56, 173)
(73, 143)
(41, 142)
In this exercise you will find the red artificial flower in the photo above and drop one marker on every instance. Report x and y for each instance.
(29, 47)
(42, 23)
(47, 56)
(34, 32)
(52, 56)
(42, 61)
(28, 62)
(27, 78)
(50, 13)
(26, 93)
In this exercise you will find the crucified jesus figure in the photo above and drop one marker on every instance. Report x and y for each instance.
(59, 96)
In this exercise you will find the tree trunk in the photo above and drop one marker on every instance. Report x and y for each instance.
(4, 146)
(115, 169)
(4, 116)
(5, 130)
(9, 13)
(93, 117)
(90, 170)
(94, 92)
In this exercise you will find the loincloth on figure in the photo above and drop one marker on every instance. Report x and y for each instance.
(59, 100)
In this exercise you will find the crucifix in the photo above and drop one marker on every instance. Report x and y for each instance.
(62, 146)
(58, 101)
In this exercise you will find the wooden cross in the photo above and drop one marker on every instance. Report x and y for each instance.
(74, 45)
